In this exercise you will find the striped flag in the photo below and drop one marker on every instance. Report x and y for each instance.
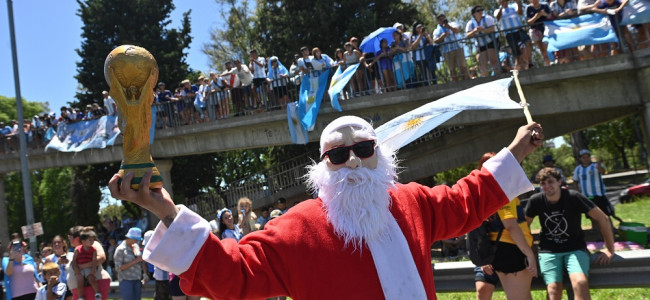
(406, 128)
(339, 80)
(312, 89)
(298, 134)
(588, 29)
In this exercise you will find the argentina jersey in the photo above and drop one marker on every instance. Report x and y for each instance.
(590, 180)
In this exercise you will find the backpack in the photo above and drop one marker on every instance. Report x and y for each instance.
(481, 249)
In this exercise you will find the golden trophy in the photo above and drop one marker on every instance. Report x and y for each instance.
(132, 72)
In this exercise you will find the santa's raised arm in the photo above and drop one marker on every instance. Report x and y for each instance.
(364, 237)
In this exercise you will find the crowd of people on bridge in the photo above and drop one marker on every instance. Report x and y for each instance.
(501, 40)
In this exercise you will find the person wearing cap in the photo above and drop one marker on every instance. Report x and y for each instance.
(109, 104)
(405, 34)
(589, 178)
(452, 51)
(129, 263)
(482, 28)
(365, 236)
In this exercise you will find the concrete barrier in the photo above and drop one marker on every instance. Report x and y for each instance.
(627, 269)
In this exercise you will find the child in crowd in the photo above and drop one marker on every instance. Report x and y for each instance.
(83, 254)
(53, 286)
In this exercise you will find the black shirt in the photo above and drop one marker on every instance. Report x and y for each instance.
(561, 221)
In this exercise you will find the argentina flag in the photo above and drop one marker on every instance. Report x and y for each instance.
(588, 29)
(298, 134)
(636, 12)
(406, 128)
(78, 136)
(312, 89)
(339, 80)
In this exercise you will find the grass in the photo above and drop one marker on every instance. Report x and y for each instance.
(596, 294)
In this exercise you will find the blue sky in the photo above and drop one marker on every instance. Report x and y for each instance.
(48, 32)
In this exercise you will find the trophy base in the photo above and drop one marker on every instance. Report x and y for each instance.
(139, 170)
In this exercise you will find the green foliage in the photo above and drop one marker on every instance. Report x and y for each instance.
(596, 294)
(113, 211)
(239, 37)
(8, 109)
(614, 137)
(281, 28)
(111, 23)
(51, 200)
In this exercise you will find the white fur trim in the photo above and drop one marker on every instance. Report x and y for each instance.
(508, 173)
(341, 122)
(396, 269)
(173, 249)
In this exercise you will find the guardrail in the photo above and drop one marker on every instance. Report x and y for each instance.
(627, 269)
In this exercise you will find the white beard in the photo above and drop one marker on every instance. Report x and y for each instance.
(356, 201)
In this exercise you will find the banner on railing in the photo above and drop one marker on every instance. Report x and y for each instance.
(339, 80)
(588, 29)
(299, 135)
(404, 129)
(312, 89)
(404, 69)
(636, 12)
(75, 137)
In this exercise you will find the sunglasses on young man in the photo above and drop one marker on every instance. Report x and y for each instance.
(340, 155)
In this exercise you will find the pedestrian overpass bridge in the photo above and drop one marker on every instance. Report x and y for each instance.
(563, 98)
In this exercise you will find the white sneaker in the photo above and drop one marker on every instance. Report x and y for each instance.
(98, 296)
(81, 298)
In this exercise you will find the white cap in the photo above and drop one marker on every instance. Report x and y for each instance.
(147, 237)
(398, 24)
(345, 121)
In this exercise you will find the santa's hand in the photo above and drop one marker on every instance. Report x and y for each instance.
(157, 201)
(528, 139)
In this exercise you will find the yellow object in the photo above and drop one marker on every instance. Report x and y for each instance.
(132, 72)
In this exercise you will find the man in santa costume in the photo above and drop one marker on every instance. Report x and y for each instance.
(364, 237)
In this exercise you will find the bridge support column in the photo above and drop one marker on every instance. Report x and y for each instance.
(4, 221)
(646, 125)
(164, 167)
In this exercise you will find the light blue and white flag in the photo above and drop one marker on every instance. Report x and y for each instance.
(636, 12)
(299, 135)
(406, 128)
(588, 29)
(404, 68)
(312, 89)
(75, 137)
(339, 80)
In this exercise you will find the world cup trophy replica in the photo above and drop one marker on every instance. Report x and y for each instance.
(132, 72)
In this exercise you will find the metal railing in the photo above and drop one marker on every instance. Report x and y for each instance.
(369, 79)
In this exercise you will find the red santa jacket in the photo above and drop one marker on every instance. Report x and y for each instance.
(300, 256)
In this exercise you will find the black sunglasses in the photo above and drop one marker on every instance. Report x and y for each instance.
(341, 154)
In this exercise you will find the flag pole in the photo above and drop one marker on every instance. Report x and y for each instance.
(523, 103)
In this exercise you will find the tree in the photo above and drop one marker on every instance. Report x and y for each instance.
(281, 28)
(110, 23)
(615, 137)
(8, 109)
(237, 39)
